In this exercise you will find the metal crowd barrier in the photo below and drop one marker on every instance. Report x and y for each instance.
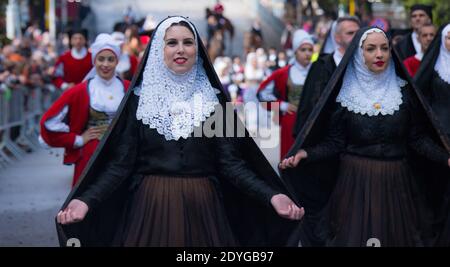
(20, 111)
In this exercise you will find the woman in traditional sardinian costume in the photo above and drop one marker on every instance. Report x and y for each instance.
(433, 80)
(285, 86)
(379, 122)
(79, 118)
(329, 44)
(155, 181)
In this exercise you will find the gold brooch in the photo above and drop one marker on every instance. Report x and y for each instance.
(377, 106)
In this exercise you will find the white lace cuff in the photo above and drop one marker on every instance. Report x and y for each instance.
(284, 106)
(64, 86)
(57, 124)
(267, 93)
(43, 143)
(78, 142)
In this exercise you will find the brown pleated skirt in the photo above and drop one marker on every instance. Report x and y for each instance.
(175, 212)
(375, 200)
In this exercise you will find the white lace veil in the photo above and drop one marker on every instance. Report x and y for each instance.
(330, 44)
(368, 93)
(173, 104)
(442, 65)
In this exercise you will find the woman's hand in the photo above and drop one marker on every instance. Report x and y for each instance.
(291, 109)
(448, 162)
(293, 161)
(286, 208)
(75, 212)
(91, 134)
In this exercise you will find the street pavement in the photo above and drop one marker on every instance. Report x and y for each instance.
(31, 192)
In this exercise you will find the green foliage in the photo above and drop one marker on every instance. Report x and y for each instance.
(4, 40)
(3, 4)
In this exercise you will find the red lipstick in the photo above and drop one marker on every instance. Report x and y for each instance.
(180, 60)
(379, 63)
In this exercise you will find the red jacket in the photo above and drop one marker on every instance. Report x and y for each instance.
(134, 62)
(280, 78)
(412, 64)
(71, 70)
(77, 100)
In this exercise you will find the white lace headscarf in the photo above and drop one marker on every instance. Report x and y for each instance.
(442, 65)
(366, 92)
(171, 103)
(330, 43)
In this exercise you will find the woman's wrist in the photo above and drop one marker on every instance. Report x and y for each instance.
(305, 153)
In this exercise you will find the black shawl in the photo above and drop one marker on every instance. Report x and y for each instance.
(253, 224)
(425, 72)
(405, 47)
(313, 188)
(439, 176)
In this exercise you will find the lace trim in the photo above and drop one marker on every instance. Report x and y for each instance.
(442, 65)
(364, 106)
(366, 93)
(173, 104)
(366, 33)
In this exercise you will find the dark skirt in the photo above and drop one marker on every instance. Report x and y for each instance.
(374, 202)
(175, 212)
(440, 174)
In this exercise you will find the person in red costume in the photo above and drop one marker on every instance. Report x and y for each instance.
(128, 63)
(425, 36)
(73, 65)
(80, 117)
(285, 86)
